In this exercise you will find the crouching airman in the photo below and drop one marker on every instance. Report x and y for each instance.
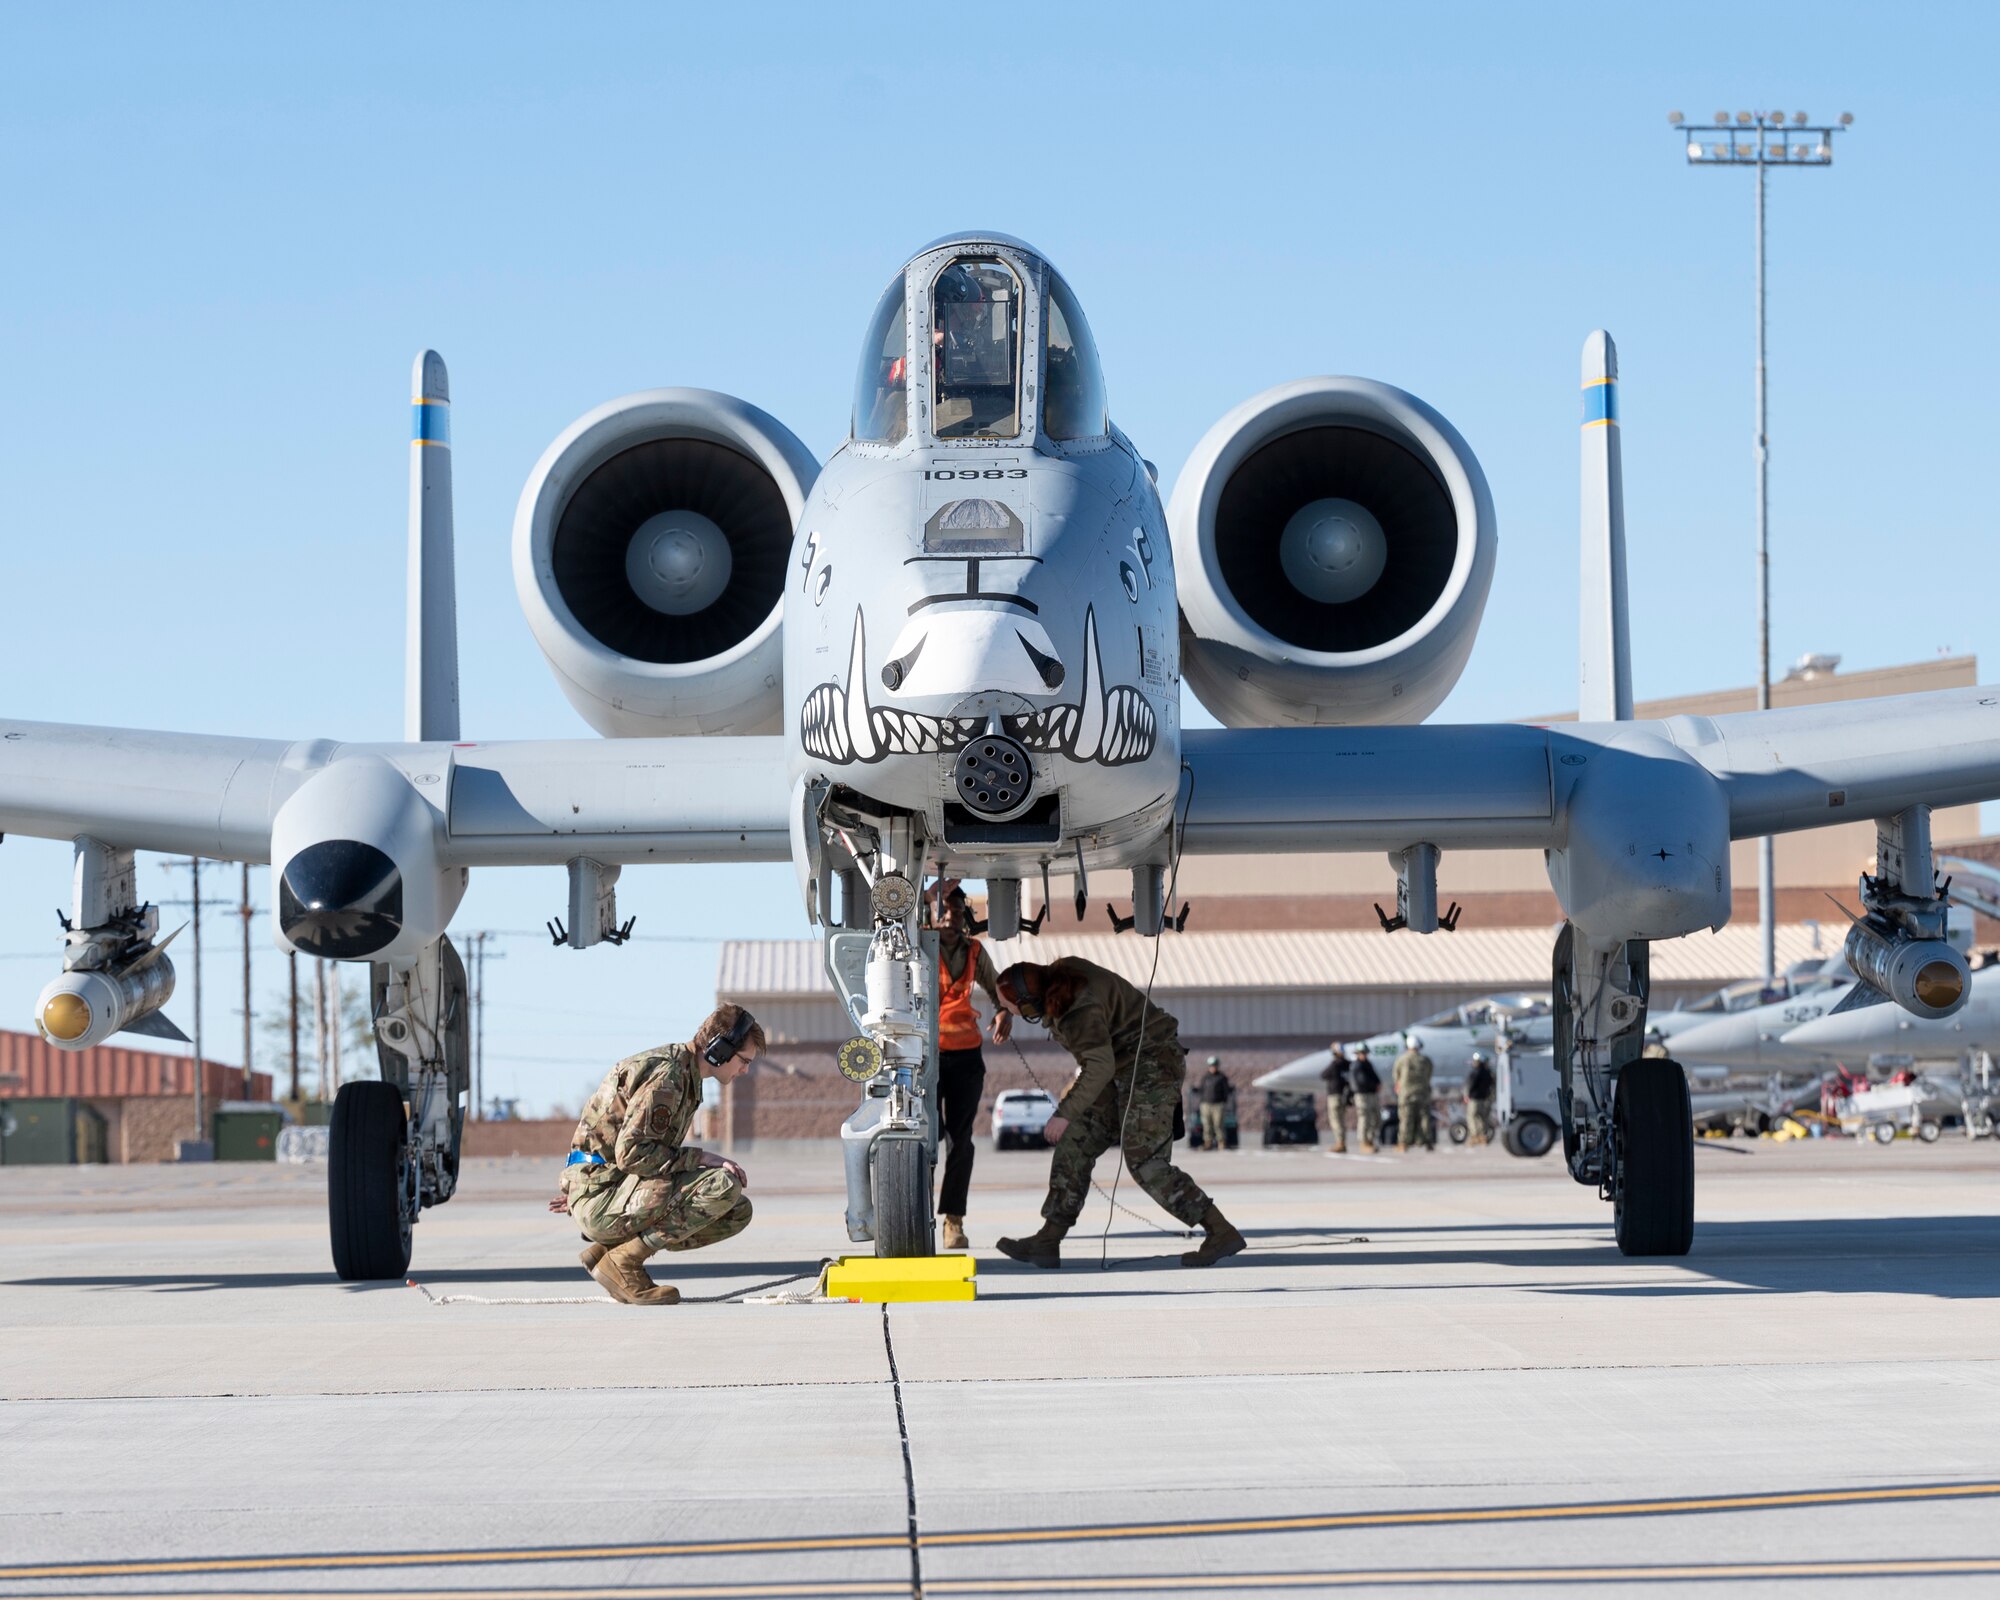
(633, 1184)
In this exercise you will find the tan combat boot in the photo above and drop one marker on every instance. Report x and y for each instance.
(1220, 1239)
(622, 1272)
(591, 1255)
(1040, 1249)
(954, 1233)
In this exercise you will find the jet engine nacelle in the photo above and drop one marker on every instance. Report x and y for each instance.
(1335, 541)
(1928, 978)
(354, 851)
(651, 548)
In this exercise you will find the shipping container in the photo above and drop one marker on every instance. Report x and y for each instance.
(246, 1135)
(50, 1133)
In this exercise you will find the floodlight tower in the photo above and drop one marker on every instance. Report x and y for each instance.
(1763, 140)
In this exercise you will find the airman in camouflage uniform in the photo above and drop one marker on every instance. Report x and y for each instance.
(1413, 1099)
(633, 1185)
(1130, 1064)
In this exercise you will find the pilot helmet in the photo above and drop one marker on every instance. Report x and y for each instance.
(1479, 1059)
(1410, 1042)
(1361, 1049)
(1215, 1061)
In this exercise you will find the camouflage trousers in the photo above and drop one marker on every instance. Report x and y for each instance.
(1149, 1137)
(1479, 1120)
(1415, 1126)
(677, 1211)
(1367, 1118)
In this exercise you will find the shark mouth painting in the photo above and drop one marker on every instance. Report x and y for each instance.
(1112, 727)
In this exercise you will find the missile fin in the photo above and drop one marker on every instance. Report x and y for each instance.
(154, 1024)
(154, 954)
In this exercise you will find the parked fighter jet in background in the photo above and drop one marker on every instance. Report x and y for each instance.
(1449, 1038)
(956, 649)
(1854, 1035)
(1750, 1038)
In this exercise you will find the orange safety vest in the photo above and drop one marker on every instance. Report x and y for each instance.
(958, 1023)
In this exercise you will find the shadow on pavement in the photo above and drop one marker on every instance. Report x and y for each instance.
(1951, 1258)
(677, 1267)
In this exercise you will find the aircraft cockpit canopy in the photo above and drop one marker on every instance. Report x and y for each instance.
(1000, 329)
(881, 389)
(976, 350)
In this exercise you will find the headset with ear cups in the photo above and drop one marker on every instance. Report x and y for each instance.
(722, 1049)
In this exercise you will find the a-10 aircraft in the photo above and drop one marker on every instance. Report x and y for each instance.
(957, 648)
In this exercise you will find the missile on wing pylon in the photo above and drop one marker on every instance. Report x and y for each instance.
(85, 1007)
(1928, 978)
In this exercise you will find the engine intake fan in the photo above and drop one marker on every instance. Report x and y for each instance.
(650, 554)
(1336, 541)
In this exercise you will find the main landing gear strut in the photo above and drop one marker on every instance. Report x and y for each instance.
(394, 1144)
(1627, 1124)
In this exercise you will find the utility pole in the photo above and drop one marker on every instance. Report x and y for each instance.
(245, 912)
(1761, 139)
(336, 1019)
(200, 1061)
(292, 962)
(480, 956)
(479, 1026)
(320, 1030)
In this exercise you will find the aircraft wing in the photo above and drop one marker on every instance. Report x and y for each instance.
(514, 803)
(1501, 786)
(1812, 765)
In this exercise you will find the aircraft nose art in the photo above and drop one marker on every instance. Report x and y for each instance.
(943, 650)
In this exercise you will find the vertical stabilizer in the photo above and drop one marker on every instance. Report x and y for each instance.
(1604, 649)
(430, 693)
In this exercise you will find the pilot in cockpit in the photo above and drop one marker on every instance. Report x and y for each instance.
(976, 354)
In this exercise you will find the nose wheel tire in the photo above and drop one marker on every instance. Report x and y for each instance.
(903, 1221)
(367, 1182)
(1653, 1212)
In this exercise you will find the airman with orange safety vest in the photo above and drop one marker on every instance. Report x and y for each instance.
(962, 962)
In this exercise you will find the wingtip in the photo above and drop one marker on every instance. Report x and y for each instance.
(1600, 358)
(428, 378)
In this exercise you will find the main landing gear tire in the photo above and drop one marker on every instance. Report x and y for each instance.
(1654, 1211)
(366, 1182)
(903, 1221)
(1530, 1135)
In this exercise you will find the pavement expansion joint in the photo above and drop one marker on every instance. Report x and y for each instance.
(909, 1471)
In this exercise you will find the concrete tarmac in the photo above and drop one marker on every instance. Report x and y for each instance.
(1432, 1374)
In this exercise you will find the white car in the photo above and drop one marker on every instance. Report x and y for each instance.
(1019, 1115)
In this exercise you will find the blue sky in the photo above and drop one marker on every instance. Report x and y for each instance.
(231, 227)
